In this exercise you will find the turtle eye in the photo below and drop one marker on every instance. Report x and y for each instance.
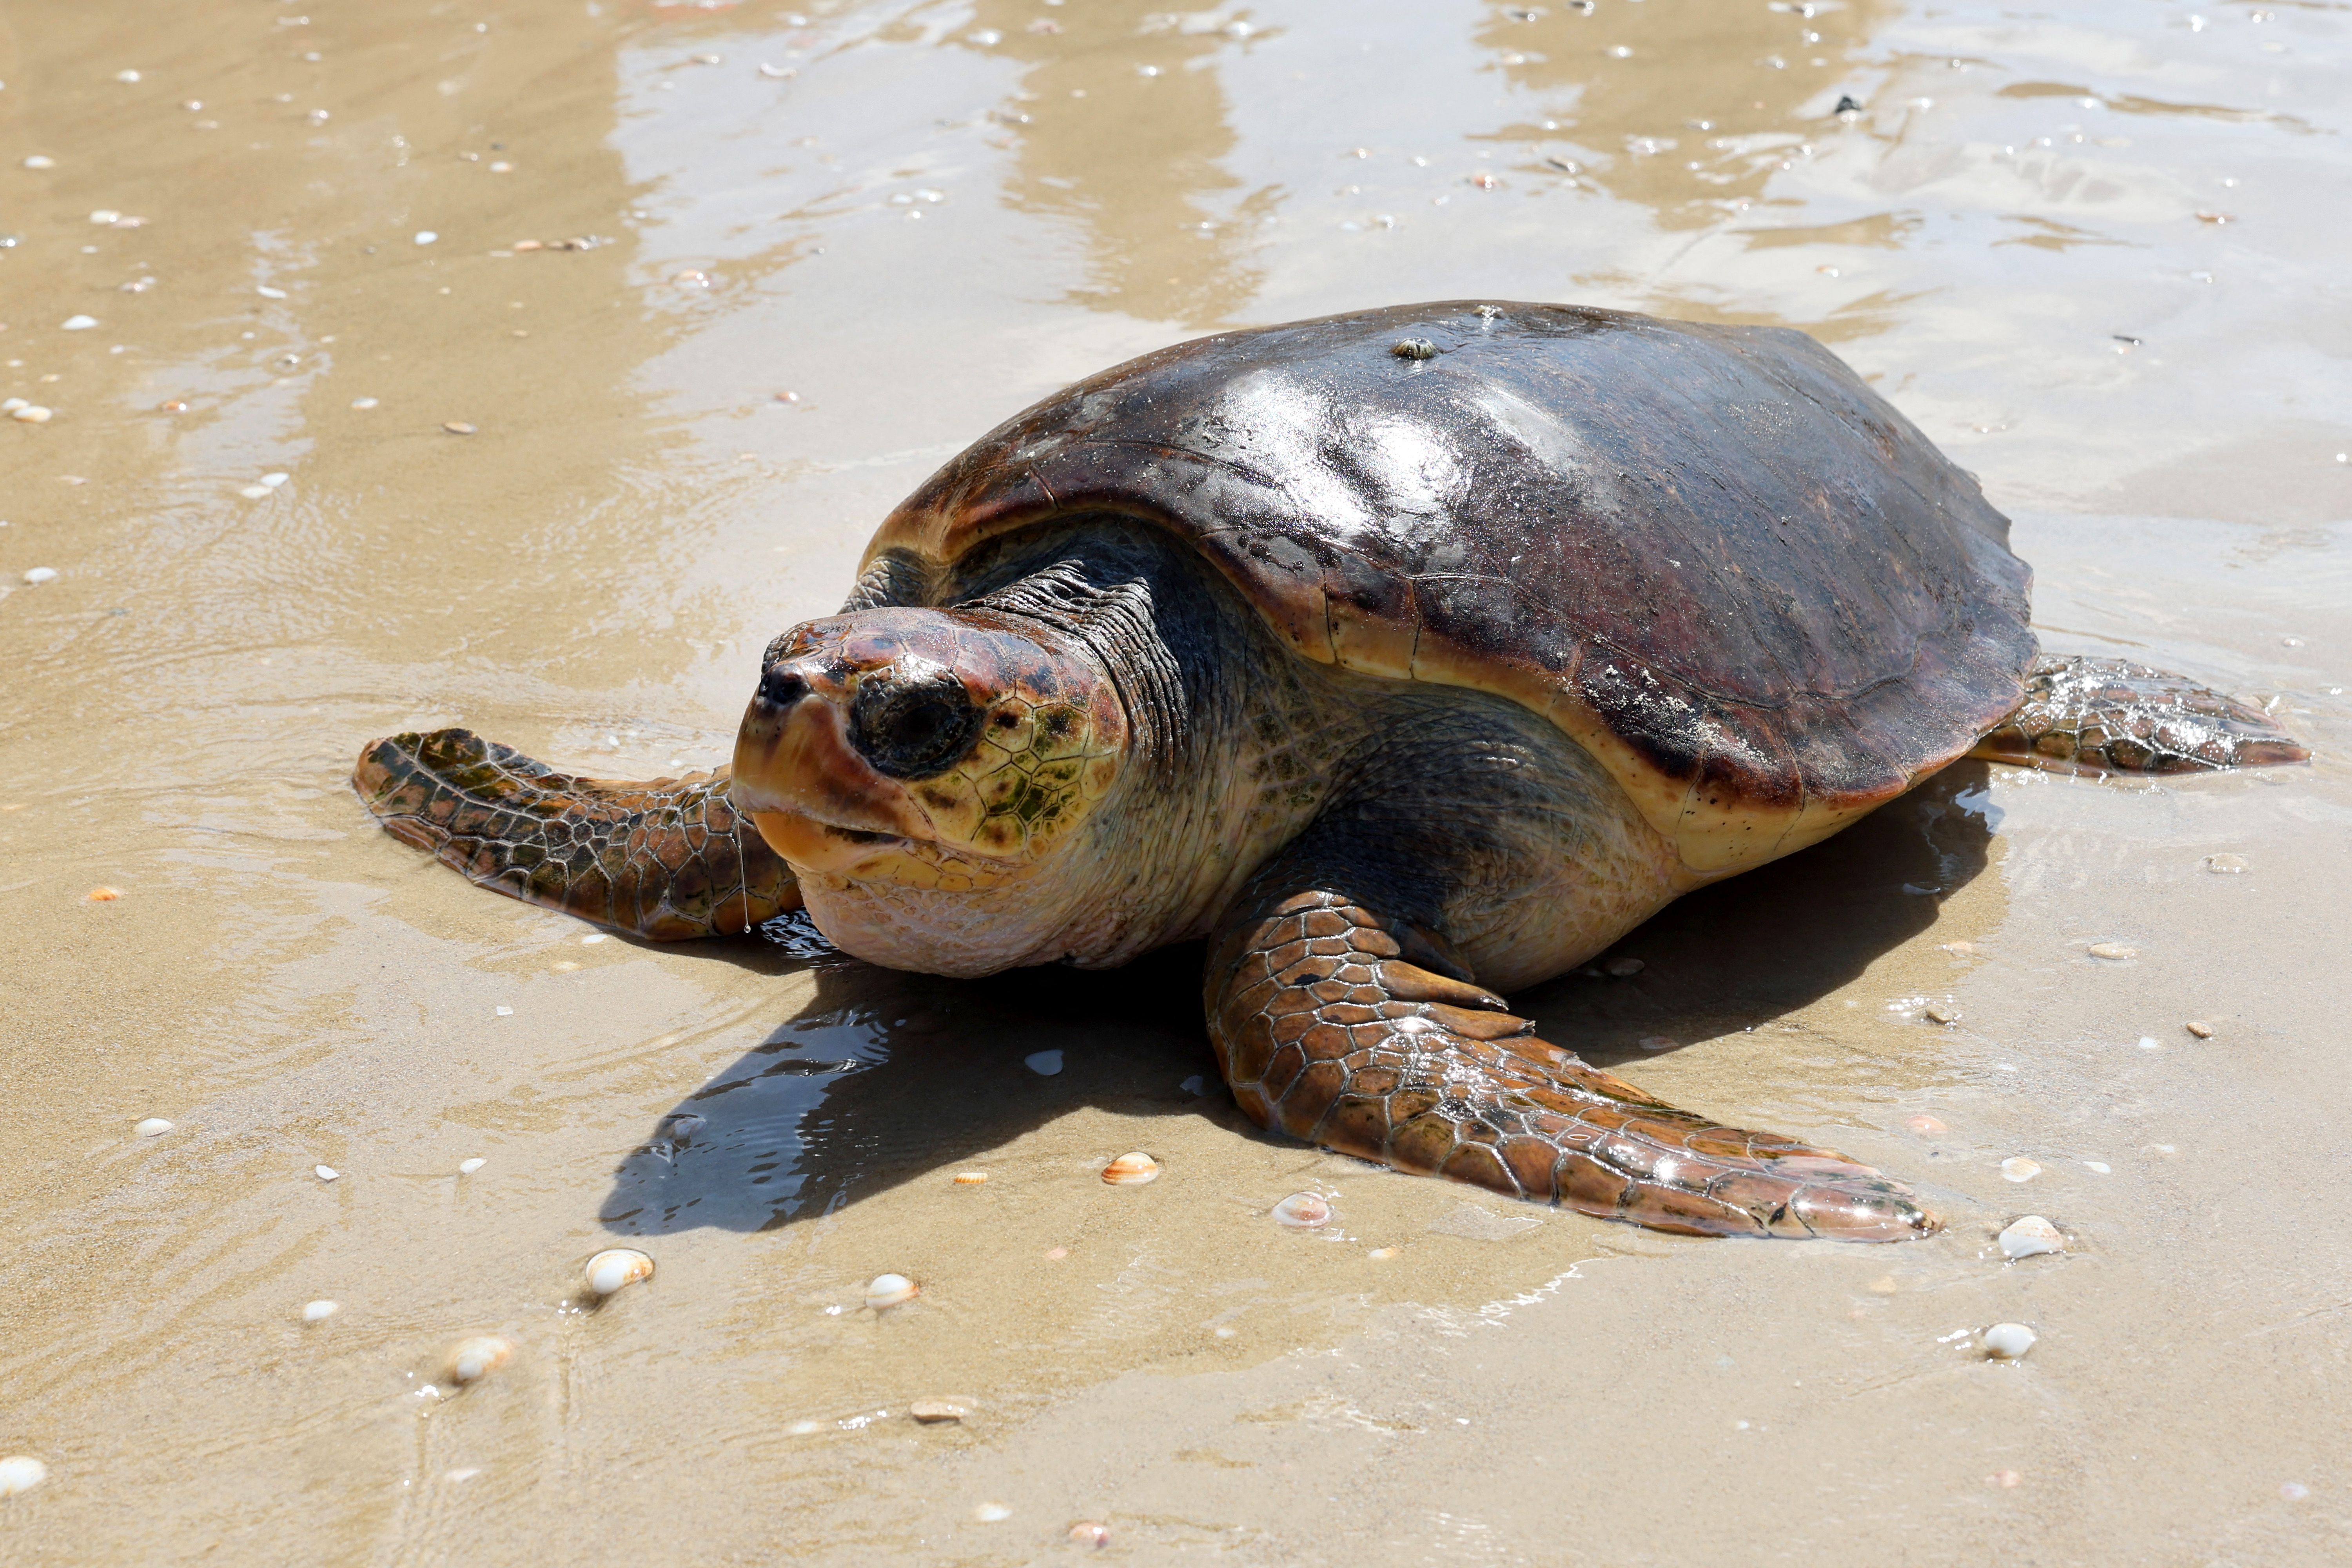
(911, 726)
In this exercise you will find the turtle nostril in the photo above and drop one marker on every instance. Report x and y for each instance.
(781, 687)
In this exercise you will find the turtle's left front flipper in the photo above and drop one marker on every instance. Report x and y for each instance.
(2084, 715)
(669, 860)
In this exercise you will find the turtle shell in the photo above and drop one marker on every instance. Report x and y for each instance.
(1711, 555)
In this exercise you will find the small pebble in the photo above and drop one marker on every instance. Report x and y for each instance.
(1926, 1126)
(970, 1178)
(21, 1473)
(426, 236)
(1962, 948)
(2029, 1237)
(2225, 864)
(477, 1358)
(1131, 1170)
(326, 1173)
(1625, 968)
(106, 216)
(617, 1267)
(2147, 1043)
(2008, 1341)
(1195, 1085)
(153, 1127)
(2113, 950)
(1303, 1211)
(1087, 1532)
(2005, 1480)
(890, 1290)
(102, 894)
(1657, 1042)
(1055, 1254)
(2018, 1168)
(932, 1410)
(2199, 1027)
(32, 414)
(991, 1513)
(126, 75)
(506, 1012)
(80, 323)
(468, 1167)
(40, 574)
(2294, 1491)
(456, 427)
(363, 403)
(1941, 1013)
(319, 1311)
(1884, 1285)
(1045, 1064)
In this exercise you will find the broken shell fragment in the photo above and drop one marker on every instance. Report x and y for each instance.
(2018, 1168)
(21, 1473)
(1087, 1532)
(1941, 1013)
(468, 1167)
(991, 1513)
(2029, 1237)
(325, 1173)
(1624, 968)
(477, 1358)
(2225, 864)
(320, 1310)
(1303, 1211)
(1925, 1125)
(2008, 1341)
(1131, 1170)
(890, 1290)
(930, 1412)
(617, 1267)
(2115, 952)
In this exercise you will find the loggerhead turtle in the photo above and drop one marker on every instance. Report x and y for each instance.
(1410, 656)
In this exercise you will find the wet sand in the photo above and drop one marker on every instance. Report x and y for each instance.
(2093, 253)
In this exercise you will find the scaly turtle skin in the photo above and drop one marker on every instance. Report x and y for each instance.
(1410, 656)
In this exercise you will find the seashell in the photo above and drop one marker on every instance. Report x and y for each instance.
(1657, 1042)
(319, 1311)
(96, 895)
(615, 1267)
(80, 323)
(1087, 1532)
(477, 1358)
(1940, 1012)
(153, 1127)
(991, 1513)
(1131, 1170)
(1045, 1064)
(1925, 1125)
(21, 1473)
(1383, 1253)
(1303, 1211)
(970, 1178)
(1624, 968)
(468, 1167)
(325, 1173)
(930, 1412)
(2200, 1028)
(2225, 864)
(2008, 1341)
(2114, 950)
(890, 1290)
(32, 414)
(2018, 1168)
(2029, 1237)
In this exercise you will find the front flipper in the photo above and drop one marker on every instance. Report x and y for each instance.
(1326, 1033)
(669, 860)
(2084, 715)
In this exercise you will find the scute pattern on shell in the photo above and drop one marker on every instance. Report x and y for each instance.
(1711, 554)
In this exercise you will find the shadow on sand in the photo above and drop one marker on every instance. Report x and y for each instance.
(885, 1076)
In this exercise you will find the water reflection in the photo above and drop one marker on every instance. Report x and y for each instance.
(885, 1076)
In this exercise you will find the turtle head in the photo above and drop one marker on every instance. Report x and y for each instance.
(902, 759)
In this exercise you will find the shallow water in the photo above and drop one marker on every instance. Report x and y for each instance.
(2095, 251)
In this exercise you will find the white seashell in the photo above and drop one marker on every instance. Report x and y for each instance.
(326, 1173)
(272, 481)
(126, 75)
(615, 1267)
(40, 160)
(106, 216)
(266, 292)
(2008, 1341)
(930, 1412)
(80, 323)
(2029, 1237)
(363, 403)
(153, 1127)
(1303, 1211)
(970, 1178)
(31, 413)
(1045, 1064)
(254, 492)
(506, 1012)
(2115, 950)
(21, 1473)
(477, 1358)
(804, 1428)
(40, 574)
(2018, 1168)
(426, 236)
(320, 1310)
(2101, 1167)
(890, 1290)
(1131, 1170)
(991, 1513)
(468, 1167)
(10, 406)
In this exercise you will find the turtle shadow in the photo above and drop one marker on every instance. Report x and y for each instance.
(885, 1076)
(1767, 941)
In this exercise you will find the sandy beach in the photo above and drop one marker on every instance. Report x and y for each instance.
(529, 366)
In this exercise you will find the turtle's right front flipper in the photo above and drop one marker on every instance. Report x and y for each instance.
(667, 860)
(2085, 715)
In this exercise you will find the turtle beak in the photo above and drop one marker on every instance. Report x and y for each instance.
(815, 799)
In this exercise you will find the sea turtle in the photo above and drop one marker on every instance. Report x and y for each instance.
(1410, 656)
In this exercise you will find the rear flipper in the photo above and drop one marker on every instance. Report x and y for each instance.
(2084, 715)
(667, 860)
